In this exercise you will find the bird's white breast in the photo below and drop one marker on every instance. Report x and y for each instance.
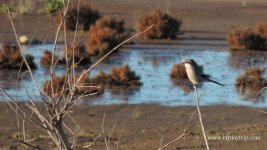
(191, 73)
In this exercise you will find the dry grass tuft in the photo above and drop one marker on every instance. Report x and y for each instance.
(87, 17)
(105, 35)
(166, 27)
(251, 81)
(11, 58)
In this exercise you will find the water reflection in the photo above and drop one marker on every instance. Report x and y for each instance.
(8, 79)
(242, 59)
(123, 92)
(248, 94)
(11, 79)
(153, 64)
(185, 85)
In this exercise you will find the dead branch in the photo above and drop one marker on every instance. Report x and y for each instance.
(185, 133)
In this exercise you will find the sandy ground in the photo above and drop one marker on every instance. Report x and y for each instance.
(205, 25)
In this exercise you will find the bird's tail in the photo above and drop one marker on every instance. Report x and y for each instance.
(209, 80)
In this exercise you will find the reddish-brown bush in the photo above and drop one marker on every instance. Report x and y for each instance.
(246, 39)
(87, 17)
(255, 41)
(79, 53)
(101, 79)
(60, 85)
(123, 75)
(105, 35)
(119, 76)
(46, 59)
(236, 38)
(252, 80)
(166, 27)
(178, 72)
(262, 29)
(179, 77)
(109, 22)
(11, 58)
(57, 87)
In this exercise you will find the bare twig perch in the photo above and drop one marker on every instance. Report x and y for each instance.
(200, 117)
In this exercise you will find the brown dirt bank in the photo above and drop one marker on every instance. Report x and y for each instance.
(204, 21)
(147, 124)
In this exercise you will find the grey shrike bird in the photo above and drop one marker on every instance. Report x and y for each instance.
(195, 73)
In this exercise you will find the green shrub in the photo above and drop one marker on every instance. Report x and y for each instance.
(53, 6)
(4, 8)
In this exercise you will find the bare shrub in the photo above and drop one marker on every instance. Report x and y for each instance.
(53, 112)
(87, 17)
(166, 27)
(105, 35)
(251, 81)
(261, 28)
(11, 58)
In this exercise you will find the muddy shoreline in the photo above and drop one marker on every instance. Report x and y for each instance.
(145, 125)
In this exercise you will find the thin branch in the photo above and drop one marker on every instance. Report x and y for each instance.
(30, 145)
(22, 53)
(185, 133)
(200, 118)
(124, 124)
(265, 112)
(264, 88)
(103, 131)
(87, 146)
(115, 48)
(160, 143)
